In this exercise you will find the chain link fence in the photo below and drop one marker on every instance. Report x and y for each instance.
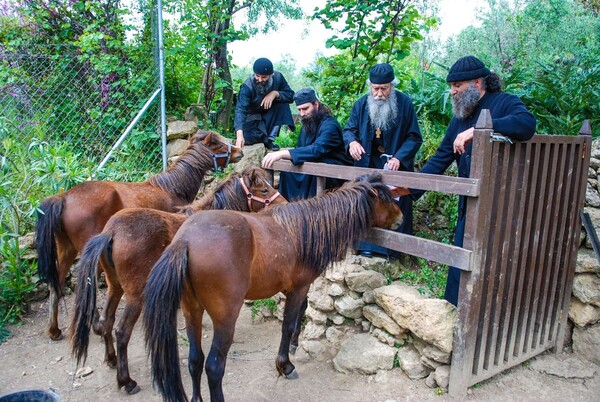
(69, 102)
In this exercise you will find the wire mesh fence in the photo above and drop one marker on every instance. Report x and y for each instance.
(69, 102)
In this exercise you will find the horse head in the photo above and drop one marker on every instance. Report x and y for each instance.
(222, 149)
(387, 212)
(258, 190)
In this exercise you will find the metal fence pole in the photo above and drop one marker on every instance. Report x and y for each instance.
(161, 72)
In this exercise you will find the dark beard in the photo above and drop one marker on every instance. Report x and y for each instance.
(311, 123)
(464, 104)
(263, 88)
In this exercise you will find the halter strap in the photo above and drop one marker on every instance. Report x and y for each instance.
(250, 196)
(227, 155)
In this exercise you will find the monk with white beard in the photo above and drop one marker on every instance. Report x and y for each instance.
(383, 124)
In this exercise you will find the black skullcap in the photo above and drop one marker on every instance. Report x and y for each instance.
(263, 66)
(381, 73)
(467, 68)
(305, 95)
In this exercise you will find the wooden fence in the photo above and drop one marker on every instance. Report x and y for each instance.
(520, 245)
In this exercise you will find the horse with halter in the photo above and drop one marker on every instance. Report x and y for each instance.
(219, 258)
(67, 220)
(131, 242)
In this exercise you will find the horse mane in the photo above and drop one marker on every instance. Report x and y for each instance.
(314, 224)
(230, 194)
(183, 179)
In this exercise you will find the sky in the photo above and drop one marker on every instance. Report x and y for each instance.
(304, 40)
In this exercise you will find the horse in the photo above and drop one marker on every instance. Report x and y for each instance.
(131, 242)
(218, 259)
(67, 220)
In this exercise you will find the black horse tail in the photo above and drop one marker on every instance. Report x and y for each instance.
(85, 298)
(47, 225)
(162, 296)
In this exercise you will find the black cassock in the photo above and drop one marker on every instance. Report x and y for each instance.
(324, 146)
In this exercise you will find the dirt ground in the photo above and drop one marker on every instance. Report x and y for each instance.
(31, 360)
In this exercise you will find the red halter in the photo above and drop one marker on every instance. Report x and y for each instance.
(250, 196)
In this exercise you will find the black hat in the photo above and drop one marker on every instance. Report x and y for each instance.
(263, 66)
(381, 73)
(305, 95)
(467, 68)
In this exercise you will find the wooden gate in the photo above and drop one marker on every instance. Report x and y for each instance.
(520, 245)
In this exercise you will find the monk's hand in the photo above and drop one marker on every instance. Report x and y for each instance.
(399, 191)
(462, 139)
(272, 157)
(239, 139)
(267, 101)
(393, 164)
(356, 150)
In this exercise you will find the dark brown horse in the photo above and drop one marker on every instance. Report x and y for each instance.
(67, 220)
(131, 242)
(219, 258)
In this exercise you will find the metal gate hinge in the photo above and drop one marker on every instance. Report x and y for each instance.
(500, 138)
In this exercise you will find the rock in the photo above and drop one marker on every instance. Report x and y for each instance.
(587, 262)
(592, 198)
(253, 156)
(586, 287)
(380, 319)
(336, 290)
(430, 380)
(27, 243)
(338, 271)
(564, 365)
(316, 349)
(349, 306)
(368, 297)
(313, 331)
(181, 129)
(583, 314)
(410, 363)
(442, 376)
(83, 372)
(364, 354)
(365, 280)
(586, 343)
(384, 337)
(334, 336)
(432, 320)
(318, 296)
(431, 352)
(177, 147)
(316, 316)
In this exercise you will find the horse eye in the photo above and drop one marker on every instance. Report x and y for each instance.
(264, 190)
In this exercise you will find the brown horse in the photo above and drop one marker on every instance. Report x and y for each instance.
(67, 220)
(219, 258)
(131, 242)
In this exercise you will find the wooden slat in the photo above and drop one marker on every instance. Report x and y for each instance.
(434, 251)
(433, 182)
(521, 222)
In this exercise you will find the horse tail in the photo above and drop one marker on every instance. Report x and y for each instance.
(47, 225)
(162, 296)
(85, 298)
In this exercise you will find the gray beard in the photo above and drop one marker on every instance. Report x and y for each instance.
(263, 88)
(463, 105)
(382, 113)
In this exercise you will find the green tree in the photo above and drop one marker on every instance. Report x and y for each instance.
(201, 34)
(371, 32)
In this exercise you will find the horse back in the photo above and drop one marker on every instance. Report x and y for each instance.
(237, 254)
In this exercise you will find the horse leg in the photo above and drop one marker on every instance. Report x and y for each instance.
(298, 327)
(66, 256)
(193, 322)
(97, 321)
(110, 307)
(130, 315)
(293, 305)
(215, 364)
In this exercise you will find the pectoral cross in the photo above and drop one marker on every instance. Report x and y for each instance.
(378, 133)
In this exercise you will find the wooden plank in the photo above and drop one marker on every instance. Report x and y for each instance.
(430, 182)
(520, 222)
(490, 268)
(424, 248)
(551, 221)
(476, 230)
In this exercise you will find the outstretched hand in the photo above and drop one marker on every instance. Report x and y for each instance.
(462, 139)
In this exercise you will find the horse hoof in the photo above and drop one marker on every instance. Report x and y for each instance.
(132, 388)
(293, 349)
(56, 335)
(293, 375)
